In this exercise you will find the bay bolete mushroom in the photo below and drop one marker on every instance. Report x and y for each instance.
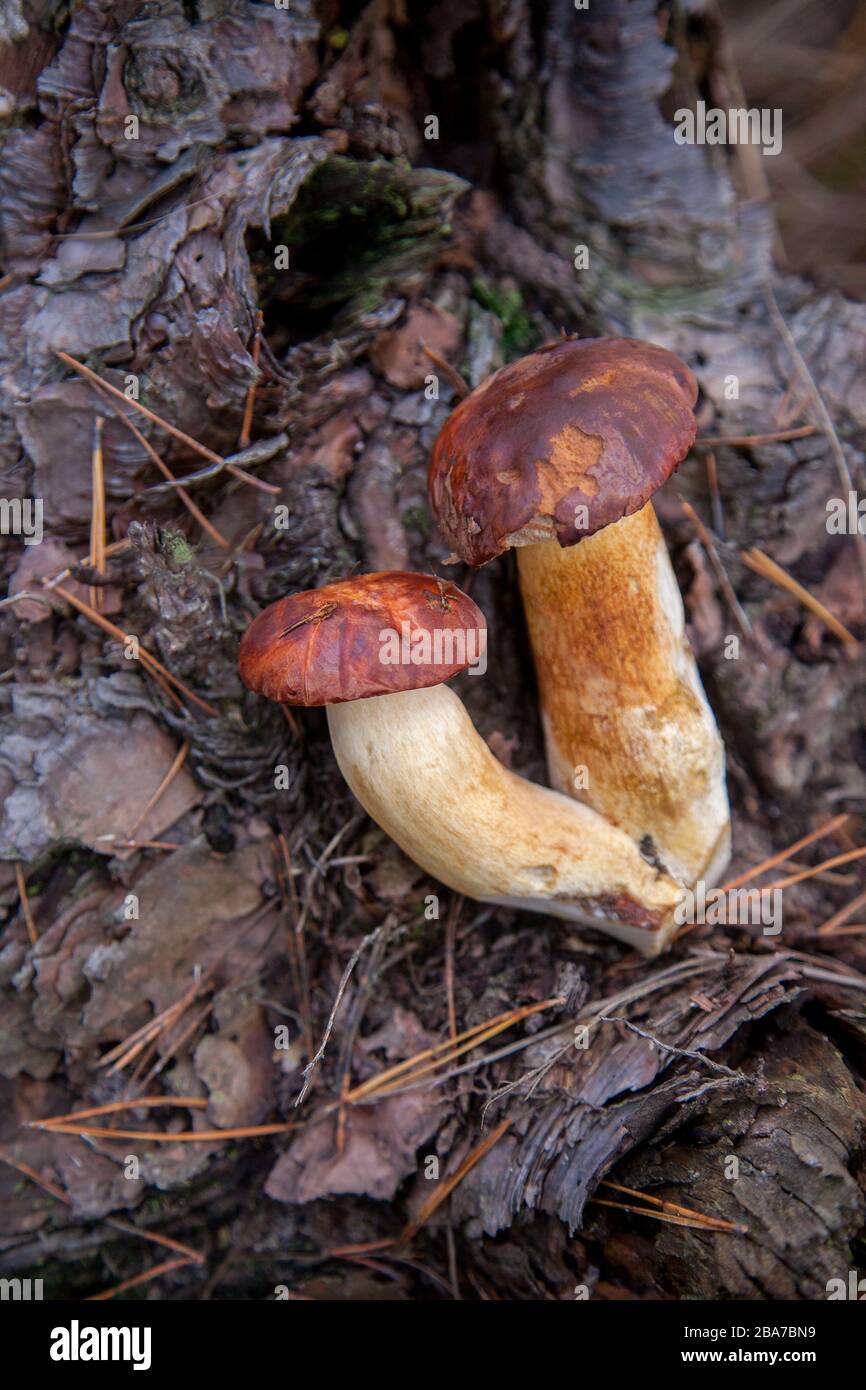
(568, 445)
(376, 650)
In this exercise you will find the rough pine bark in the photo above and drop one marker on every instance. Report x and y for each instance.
(167, 172)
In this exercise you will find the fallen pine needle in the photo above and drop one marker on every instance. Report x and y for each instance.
(725, 584)
(138, 1279)
(148, 661)
(845, 880)
(249, 404)
(118, 1057)
(129, 1228)
(369, 1248)
(195, 512)
(461, 387)
(674, 1207)
(833, 923)
(115, 548)
(35, 1176)
(162, 788)
(835, 823)
(742, 440)
(298, 940)
(182, 1037)
(823, 414)
(112, 1107)
(450, 942)
(816, 869)
(151, 415)
(701, 1224)
(156, 1136)
(436, 1198)
(26, 910)
(715, 497)
(768, 569)
(480, 1032)
(97, 514)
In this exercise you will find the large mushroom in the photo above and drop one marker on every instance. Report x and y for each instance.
(376, 650)
(568, 445)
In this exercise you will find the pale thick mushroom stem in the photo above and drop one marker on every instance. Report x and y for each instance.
(418, 766)
(621, 696)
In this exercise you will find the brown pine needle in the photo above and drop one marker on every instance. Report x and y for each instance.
(444, 1189)
(368, 1248)
(129, 1228)
(163, 786)
(833, 923)
(289, 902)
(112, 1107)
(450, 942)
(715, 497)
(186, 1136)
(725, 584)
(249, 404)
(846, 880)
(291, 721)
(171, 695)
(35, 1176)
(674, 1207)
(300, 947)
(115, 1221)
(187, 439)
(835, 823)
(340, 1139)
(97, 514)
(821, 412)
(671, 1220)
(411, 1078)
(114, 548)
(195, 512)
(138, 1279)
(768, 569)
(182, 1037)
(709, 441)
(479, 1032)
(810, 873)
(127, 1050)
(26, 910)
(461, 388)
(791, 403)
(149, 661)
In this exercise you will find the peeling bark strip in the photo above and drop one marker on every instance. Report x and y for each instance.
(167, 172)
(614, 1095)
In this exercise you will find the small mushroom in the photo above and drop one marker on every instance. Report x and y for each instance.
(568, 445)
(376, 650)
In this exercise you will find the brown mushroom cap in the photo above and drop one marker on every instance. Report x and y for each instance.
(325, 646)
(597, 422)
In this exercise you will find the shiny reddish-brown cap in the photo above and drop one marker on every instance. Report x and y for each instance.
(359, 637)
(594, 423)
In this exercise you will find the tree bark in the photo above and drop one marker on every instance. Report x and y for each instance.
(155, 162)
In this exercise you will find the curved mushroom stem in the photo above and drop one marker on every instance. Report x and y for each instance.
(621, 696)
(418, 766)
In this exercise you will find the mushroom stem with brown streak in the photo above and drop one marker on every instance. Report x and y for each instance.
(412, 756)
(568, 445)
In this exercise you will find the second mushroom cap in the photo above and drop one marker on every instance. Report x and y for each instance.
(332, 645)
(593, 423)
